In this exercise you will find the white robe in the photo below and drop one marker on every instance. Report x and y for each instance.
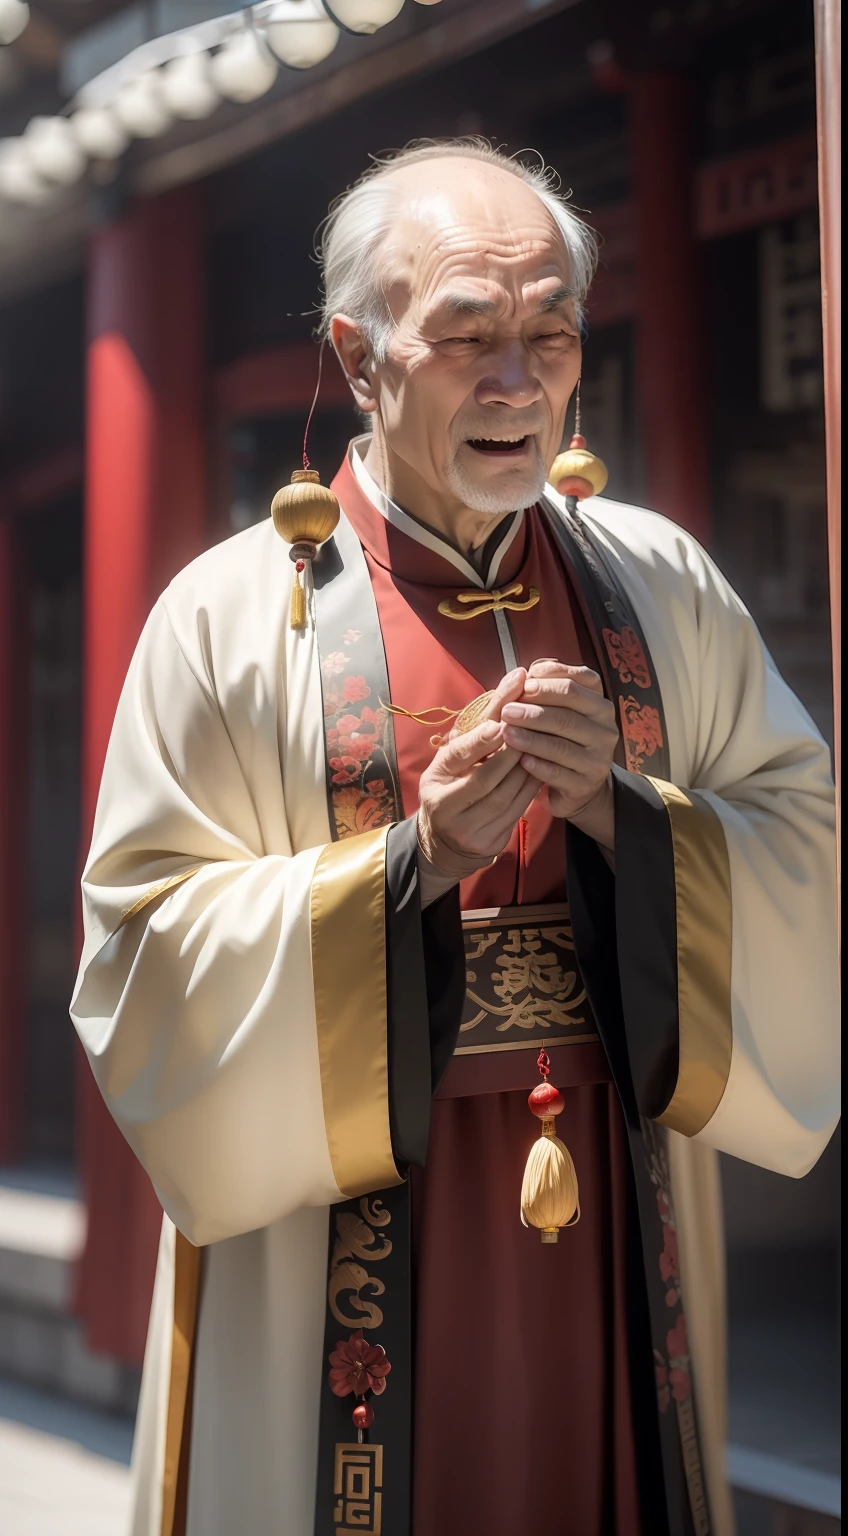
(198, 1017)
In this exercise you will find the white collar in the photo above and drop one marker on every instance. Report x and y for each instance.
(418, 531)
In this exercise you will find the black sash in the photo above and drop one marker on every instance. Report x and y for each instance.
(365, 1487)
(364, 1480)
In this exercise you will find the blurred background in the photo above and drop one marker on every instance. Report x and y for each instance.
(157, 292)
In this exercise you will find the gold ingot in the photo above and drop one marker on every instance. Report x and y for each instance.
(586, 473)
(305, 512)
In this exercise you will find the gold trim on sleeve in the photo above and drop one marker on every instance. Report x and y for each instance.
(178, 1424)
(704, 948)
(349, 975)
(158, 890)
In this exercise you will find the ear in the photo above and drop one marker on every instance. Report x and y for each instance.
(355, 356)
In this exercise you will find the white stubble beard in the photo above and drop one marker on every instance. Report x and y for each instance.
(523, 490)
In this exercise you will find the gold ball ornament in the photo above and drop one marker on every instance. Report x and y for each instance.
(305, 514)
(577, 472)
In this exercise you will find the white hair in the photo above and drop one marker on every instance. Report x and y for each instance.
(359, 221)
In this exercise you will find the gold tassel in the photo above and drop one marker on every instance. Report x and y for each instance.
(305, 514)
(297, 613)
(549, 1194)
(549, 1198)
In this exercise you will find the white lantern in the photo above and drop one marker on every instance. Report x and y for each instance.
(301, 33)
(427, 2)
(243, 69)
(187, 87)
(140, 108)
(364, 15)
(19, 181)
(54, 150)
(99, 133)
(14, 15)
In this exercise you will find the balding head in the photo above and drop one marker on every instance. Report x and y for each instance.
(453, 284)
(360, 224)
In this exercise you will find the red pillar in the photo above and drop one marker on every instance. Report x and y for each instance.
(144, 518)
(670, 330)
(14, 661)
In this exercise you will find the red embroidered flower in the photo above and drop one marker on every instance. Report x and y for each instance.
(374, 717)
(627, 656)
(669, 1258)
(359, 1367)
(354, 688)
(351, 636)
(677, 1345)
(348, 723)
(641, 729)
(345, 769)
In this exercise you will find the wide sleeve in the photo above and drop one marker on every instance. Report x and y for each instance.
(725, 902)
(235, 1003)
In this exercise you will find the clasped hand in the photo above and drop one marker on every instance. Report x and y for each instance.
(551, 732)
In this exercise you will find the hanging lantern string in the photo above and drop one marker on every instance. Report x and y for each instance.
(313, 405)
(577, 432)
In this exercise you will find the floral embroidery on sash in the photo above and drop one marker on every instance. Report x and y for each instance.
(673, 1373)
(627, 656)
(641, 730)
(355, 733)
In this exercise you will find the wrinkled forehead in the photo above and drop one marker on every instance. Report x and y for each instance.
(461, 225)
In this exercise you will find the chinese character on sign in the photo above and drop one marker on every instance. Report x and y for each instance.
(790, 316)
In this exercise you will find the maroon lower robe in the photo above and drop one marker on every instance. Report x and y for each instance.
(522, 1391)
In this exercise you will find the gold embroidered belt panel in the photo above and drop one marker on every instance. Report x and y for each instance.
(523, 989)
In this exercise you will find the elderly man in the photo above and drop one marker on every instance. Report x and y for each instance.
(325, 1068)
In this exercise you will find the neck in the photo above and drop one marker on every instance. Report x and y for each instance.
(462, 527)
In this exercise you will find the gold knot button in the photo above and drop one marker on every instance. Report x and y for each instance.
(468, 605)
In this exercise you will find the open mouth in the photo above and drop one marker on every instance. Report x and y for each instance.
(498, 445)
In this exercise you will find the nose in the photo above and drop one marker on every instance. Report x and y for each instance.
(511, 379)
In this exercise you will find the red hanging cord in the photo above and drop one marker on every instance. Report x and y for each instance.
(313, 405)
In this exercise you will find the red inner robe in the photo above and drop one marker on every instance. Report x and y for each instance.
(522, 1392)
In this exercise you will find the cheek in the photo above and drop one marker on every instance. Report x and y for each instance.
(430, 394)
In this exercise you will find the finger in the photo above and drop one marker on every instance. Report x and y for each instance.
(461, 752)
(564, 724)
(481, 779)
(494, 804)
(500, 831)
(578, 786)
(509, 687)
(563, 693)
(547, 668)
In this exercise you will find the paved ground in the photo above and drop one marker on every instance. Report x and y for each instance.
(64, 1469)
